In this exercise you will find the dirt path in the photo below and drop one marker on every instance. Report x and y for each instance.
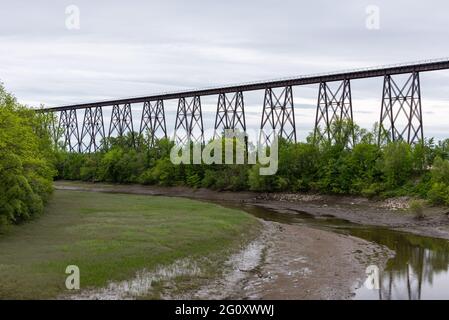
(285, 262)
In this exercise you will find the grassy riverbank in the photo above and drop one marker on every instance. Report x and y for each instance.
(389, 213)
(110, 237)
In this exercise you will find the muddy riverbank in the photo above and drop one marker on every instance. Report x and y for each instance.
(390, 213)
(296, 262)
(285, 262)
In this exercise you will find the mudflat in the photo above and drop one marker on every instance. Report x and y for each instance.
(295, 262)
(284, 262)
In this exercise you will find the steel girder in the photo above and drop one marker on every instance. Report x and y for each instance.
(420, 66)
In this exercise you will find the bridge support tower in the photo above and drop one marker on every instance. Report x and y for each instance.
(332, 106)
(92, 132)
(121, 121)
(189, 122)
(68, 127)
(278, 116)
(230, 113)
(401, 112)
(153, 120)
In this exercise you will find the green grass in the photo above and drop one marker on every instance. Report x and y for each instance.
(111, 237)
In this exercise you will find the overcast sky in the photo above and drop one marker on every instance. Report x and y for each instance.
(133, 48)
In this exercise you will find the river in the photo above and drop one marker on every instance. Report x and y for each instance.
(419, 269)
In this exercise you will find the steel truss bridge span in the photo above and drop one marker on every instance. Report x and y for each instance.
(399, 100)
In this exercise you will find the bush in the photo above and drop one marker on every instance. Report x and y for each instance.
(440, 171)
(163, 173)
(209, 179)
(372, 190)
(438, 194)
(258, 182)
(397, 164)
(417, 208)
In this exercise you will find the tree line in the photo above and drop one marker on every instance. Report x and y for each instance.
(368, 168)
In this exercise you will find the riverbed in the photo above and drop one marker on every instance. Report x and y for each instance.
(312, 252)
(418, 269)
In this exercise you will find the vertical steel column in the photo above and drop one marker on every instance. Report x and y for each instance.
(68, 126)
(278, 114)
(93, 130)
(333, 106)
(322, 112)
(189, 122)
(153, 120)
(121, 121)
(230, 113)
(402, 104)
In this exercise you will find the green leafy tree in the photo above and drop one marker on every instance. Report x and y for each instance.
(26, 161)
(397, 163)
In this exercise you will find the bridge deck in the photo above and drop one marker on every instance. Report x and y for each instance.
(421, 66)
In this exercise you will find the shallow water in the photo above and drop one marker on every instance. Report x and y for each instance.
(419, 269)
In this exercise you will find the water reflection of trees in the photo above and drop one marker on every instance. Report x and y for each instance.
(417, 261)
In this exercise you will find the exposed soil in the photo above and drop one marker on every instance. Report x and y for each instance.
(320, 265)
(296, 262)
(391, 213)
(285, 262)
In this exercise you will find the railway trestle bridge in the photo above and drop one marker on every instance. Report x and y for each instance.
(400, 101)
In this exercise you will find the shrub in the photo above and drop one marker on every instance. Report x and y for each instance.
(162, 173)
(397, 164)
(209, 179)
(417, 208)
(440, 171)
(438, 194)
(258, 182)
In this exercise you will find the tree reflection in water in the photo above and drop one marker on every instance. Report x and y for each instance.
(419, 270)
(419, 261)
